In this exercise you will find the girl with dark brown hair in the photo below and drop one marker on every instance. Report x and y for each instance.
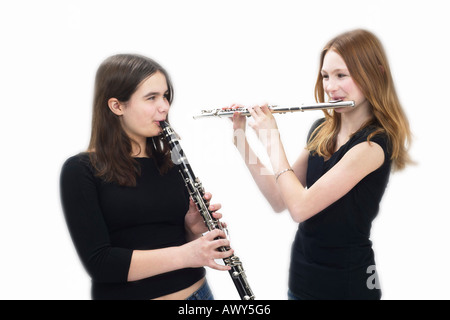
(129, 214)
(334, 188)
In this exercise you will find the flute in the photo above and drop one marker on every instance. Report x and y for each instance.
(228, 112)
(196, 191)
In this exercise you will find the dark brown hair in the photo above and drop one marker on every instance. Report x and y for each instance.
(110, 147)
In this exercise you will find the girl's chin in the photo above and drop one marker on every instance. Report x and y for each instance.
(156, 131)
(340, 110)
(155, 134)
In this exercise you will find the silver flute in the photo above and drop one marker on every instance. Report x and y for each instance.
(228, 112)
(196, 191)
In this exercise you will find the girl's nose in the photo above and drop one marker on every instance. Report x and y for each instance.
(164, 106)
(331, 85)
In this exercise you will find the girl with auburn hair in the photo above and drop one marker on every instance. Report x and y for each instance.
(126, 206)
(334, 188)
(371, 72)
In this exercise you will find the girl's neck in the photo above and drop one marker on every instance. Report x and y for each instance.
(352, 121)
(139, 150)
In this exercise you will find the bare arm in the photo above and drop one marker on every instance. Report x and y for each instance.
(265, 182)
(302, 203)
(260, 174)
(357, 163)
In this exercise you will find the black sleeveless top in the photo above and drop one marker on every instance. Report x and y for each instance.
(332, 256)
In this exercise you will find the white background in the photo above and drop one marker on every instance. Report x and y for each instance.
(217, 53)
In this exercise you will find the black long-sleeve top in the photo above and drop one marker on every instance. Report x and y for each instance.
(107, 222)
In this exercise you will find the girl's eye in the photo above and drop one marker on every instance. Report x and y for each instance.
(341, 75)
(324, 76)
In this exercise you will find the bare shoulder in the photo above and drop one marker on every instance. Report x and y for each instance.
(363, 158)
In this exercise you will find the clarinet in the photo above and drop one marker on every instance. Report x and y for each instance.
(196, 191)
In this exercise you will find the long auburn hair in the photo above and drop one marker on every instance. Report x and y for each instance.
(110, 147)
(368, 66)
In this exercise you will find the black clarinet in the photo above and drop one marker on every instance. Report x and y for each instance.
(196, 191)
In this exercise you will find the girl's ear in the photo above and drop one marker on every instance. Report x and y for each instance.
(115, 106)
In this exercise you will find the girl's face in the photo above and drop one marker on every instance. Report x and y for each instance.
(147, 106)
(337, 82)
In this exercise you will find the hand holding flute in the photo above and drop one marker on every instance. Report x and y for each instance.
(228, 112)
(263, 120)
(263, 123)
